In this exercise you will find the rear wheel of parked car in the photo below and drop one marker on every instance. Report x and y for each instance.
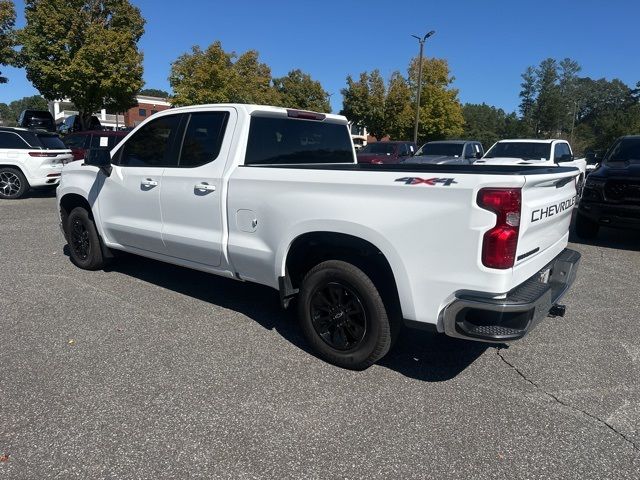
(13, 183)
(585, 227)
(343, 315)
(84, 243)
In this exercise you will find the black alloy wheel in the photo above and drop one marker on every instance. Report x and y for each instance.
(338, 316)
(80, 242)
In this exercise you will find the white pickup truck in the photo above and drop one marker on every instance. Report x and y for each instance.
(538, 152)
(275, 196)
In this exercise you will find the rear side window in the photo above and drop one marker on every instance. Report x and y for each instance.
(151, 145)
(202, 138)
(51, 142)
(12, 140)
(278, 141)
(562, 153)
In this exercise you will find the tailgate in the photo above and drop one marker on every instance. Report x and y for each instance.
(547, 205)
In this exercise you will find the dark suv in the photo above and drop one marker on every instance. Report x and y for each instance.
(37, 120)
(386, 152)
(611, 195)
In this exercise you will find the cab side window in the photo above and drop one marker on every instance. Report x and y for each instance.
(202, 138)
(151, 146)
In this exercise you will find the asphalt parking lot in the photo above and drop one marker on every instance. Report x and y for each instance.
(153, 371)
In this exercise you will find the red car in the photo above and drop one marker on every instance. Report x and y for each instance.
(80, 142)
(386, 152)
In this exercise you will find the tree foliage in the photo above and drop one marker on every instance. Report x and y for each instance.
(7, 34)
(84, 50)
(216, 76)
(9, 113)
(440, 110)
(489, 124)
(556, 102)
(154, 92)
(298, 90)
(390, 109)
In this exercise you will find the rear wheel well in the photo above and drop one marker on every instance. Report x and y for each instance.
(310, 249)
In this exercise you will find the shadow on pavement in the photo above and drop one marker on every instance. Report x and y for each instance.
(609, 238)
(420, 355)
(45, 192)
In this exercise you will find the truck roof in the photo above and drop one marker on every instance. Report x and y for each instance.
(251, 108)
(532, 140)
(455, 142)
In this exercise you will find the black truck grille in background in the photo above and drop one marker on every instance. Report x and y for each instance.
(623, 190)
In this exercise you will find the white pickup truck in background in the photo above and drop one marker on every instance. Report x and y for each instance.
(275, 196)
(535, 152)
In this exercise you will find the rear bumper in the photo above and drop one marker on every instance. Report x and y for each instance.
(474, 316)
(612, 215)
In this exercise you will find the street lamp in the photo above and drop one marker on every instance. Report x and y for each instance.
(421, 40)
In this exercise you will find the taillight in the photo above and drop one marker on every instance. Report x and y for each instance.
(42, 154)
(377, 161)
(500, 243)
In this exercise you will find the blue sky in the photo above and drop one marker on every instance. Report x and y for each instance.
(488, 44)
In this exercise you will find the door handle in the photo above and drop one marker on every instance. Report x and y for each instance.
(205, 187)
(149, 183)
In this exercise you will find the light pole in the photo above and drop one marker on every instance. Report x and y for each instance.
(421, 40)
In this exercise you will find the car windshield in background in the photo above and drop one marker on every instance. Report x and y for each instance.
(278, 141)
(378, 148)
(625, 151)
(524, 150)
(51, 142)
(441, 149)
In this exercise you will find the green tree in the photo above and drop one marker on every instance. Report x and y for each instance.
(216, 76)
(9, 113)
(84, 50)
(298, 90)
(7, 34)
(364, 102)
(440, 110)
(528, 94)
(398, 109)
(154, 92)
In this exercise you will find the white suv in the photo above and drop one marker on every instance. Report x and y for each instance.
(29, 158)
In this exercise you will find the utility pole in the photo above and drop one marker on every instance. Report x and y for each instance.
(421, 40)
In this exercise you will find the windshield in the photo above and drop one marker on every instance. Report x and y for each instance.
(378, 148)
(51, 142)
(524, 150)
(627, 150)
(441, 149)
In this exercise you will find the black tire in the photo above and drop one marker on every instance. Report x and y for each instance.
(85, 248)
(585, 227)
(13, 184)
(343, 315)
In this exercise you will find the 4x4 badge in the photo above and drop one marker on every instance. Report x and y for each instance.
(427, 181)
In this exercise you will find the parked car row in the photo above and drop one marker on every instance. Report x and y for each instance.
(34, 157)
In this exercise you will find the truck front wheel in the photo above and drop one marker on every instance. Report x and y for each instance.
(343, 315)
(84, 243)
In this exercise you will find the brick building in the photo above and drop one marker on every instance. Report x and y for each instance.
(147, 106)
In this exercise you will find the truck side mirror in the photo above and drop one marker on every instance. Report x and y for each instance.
(478, 155)
(99, 157)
